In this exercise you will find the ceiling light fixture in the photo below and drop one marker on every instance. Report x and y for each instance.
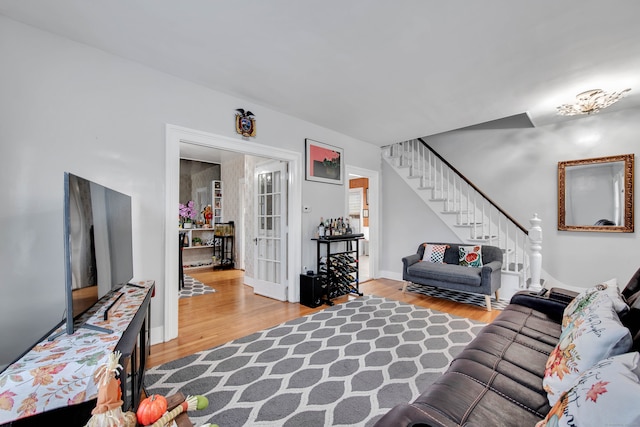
(591, 101)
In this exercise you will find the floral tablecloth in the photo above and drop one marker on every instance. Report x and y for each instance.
(59, 373)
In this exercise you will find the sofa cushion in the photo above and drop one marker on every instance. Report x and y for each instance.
(470, 256)
(593, 333)
(446, 273)
(434, 253)
(495, 380)
(605, 394)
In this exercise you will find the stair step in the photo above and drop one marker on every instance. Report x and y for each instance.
(470, 222)
(513, 266)
(483, 239)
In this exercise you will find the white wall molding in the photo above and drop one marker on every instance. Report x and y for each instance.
(176, 135)
(374, 214)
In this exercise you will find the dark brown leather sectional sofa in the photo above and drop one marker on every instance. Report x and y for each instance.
(497, 379)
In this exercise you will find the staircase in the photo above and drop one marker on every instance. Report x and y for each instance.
(472, 216)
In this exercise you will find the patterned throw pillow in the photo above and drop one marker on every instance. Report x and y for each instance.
(434, 253)
(605, 395)
(594, 333)
(470, 256)
(609, 288)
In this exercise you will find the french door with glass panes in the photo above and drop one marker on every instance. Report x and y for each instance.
(270, 255)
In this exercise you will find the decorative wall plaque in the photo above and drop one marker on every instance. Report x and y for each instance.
(245, 123)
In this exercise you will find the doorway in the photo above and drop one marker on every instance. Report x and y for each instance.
(362, 202)
(175, 136)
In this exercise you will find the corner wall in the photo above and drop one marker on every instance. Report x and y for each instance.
(69, 107)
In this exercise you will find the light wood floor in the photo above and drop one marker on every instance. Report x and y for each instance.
(234, 311)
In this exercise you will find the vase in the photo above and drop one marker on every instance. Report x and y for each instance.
(186, 224)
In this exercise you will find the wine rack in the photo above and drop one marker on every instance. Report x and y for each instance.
(337, 265)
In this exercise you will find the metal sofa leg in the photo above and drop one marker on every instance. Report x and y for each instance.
(487, 299)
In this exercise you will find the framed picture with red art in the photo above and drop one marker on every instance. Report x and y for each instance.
(324, 162)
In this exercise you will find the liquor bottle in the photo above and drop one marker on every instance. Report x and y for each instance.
(321, 229)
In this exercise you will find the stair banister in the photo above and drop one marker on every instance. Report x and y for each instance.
(535, 252)
(517, 224)
(463, 208)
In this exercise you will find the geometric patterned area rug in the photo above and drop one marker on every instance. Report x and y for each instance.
(345, 365)
(193, 287)
(457, 296)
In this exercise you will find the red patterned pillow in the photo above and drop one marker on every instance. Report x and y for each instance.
(434, 253)
(470, 256)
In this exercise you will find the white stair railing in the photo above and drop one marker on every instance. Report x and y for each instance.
(468, 211)
(535, 251)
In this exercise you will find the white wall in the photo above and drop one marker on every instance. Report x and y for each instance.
(69, 107)
(407, 222)
(517, 168)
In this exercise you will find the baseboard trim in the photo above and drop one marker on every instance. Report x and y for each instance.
(157, 335)
(385, 274)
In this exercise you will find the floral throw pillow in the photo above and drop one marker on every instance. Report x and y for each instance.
(604, 395)
(594, 333)
(590, 295)
(470, 256)
(434, 253)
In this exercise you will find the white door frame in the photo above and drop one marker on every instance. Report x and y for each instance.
(240, 227)
(374, 214)
(174, 136)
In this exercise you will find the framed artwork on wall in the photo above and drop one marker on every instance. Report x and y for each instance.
(324, 162)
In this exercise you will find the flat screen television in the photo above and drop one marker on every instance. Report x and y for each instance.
(97, 245)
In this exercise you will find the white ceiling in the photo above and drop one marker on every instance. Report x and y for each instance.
(378, 70)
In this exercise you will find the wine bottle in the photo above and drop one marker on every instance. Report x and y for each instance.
(321, 229)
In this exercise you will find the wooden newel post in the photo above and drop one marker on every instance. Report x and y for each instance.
(535, 249)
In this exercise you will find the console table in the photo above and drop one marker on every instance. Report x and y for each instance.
(54, 380)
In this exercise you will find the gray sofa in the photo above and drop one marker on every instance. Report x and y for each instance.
(450, 275)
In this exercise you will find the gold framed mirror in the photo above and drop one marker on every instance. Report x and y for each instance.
(596, 194)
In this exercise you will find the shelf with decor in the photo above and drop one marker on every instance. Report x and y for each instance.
(216, 197)
(198, 246)
(223, 246)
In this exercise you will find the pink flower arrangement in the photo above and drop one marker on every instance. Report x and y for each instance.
(187, 212)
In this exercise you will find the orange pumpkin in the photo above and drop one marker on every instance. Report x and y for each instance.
(151, 409)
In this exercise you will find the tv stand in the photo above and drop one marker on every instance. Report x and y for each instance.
(71, 361)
